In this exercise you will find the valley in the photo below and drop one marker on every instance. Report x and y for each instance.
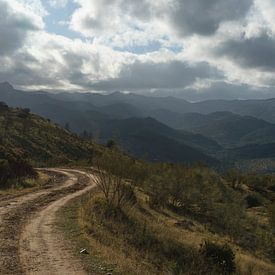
(157, 194)
(182, 132)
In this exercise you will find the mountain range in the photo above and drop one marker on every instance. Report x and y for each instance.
(160, 128)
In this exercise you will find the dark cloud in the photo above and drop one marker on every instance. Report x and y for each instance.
(205, 16)
(146, 76)
(251, 53)
(13, 29)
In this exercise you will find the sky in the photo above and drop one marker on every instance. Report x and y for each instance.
(195, 49)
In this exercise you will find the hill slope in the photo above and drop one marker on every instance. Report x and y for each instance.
(40, 140)
(148, 137)
(226, 128)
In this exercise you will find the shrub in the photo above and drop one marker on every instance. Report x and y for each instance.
(114, 173)
(219, 257)
(253, 200)
(110, 144)
(13, 166)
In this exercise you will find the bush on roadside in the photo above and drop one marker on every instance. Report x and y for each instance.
(253, 200)
(219, 257)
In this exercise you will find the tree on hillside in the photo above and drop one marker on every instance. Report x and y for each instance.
(111, 144)
(67, 126)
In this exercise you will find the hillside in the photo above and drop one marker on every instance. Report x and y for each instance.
(40, 140)
(226, 128)
(156, 141)
(139, 136)
(255, 151)
(174, 219)
(206, 126)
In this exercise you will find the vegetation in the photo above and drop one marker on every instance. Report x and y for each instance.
(27, 140)
(272, 216)
(163, 204)
(151, 217)
(13, 168)
(40, 141)
(220, 256)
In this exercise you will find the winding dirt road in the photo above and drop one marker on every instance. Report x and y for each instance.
(29, 241)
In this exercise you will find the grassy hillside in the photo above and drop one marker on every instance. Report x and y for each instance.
(41, 142)
(174, 219)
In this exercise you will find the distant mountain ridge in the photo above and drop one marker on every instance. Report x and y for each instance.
(140, 137)
(166, 128)
(146, 136)
(226, 128)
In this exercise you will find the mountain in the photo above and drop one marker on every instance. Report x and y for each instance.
(39, 140)
(143, 103)
(148, 137)
(262, 109)
(226, 128)
(140, 105)
(254, 151)
(44, 142)
(106, 121)
(179, 125)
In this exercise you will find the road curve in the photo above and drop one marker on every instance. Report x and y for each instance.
(41, 247)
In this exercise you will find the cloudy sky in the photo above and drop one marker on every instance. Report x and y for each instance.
(197, 49)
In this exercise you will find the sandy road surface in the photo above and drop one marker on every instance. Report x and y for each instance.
(29, 243)
(41, 248)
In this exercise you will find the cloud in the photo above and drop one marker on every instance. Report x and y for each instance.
(54, 62)
(211, 48)
(149, 76)
(15, 24)
(170, 17)
(255, 52)
(204, 17)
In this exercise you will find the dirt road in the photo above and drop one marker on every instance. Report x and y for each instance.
(29, 242)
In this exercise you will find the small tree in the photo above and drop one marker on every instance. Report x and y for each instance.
(110, 144)
(67, 127)
(113, 179)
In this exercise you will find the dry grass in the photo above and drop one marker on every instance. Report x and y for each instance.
(114, 249)
(27, 186)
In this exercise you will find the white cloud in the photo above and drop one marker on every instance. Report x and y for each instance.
(138, 45)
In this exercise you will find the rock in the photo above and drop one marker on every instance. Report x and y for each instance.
(84, 251)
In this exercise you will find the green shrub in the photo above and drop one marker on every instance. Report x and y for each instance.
(253, 200)
(219, 257)
(13, 167)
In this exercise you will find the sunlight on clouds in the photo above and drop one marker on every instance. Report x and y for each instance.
(98, 41)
